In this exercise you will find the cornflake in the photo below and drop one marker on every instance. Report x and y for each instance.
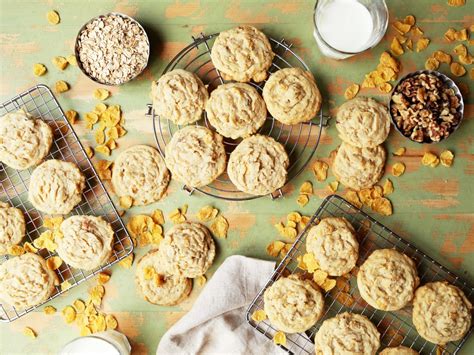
(206, 213)
(85, 331)
(351, 91)
(177, 216)
(398, 169)
(54, 262)
(442, 57)
(274, 248)
(304, 221)
(69, 314)
(306, 188)
(49, 310)
(201, 280)
(293, 217)
(457, 69)
(60, 62)
(385, 87)
(353, 198)
(310, 261)
(320, 169)
(333, 186)
(430, 159)
(410, 20)
(53, 17)
(396, 47)
(219, 227)
(61, 86)
(29, 332)
(101, 94)
(16, 250)
(279, 338)
(157, 216)
(387, 187)
(71, 59)
(382, 206)
(447, 158)
(39, 69)
(103, 149)
(65, 285)
(456, 3)
(345, 299)
(71, 116)
(29, 248)
(259, 315)
(422, 44)
(126, 201)
(399, 151)
(79, 306)
(461, 35)
(320, 276)
(111, 322)
(402, 27)
(127, 262)
(409, 44)
(302, 200)
(431, 64)
(328, 284)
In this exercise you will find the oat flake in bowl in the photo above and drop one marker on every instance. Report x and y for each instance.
(112, 49)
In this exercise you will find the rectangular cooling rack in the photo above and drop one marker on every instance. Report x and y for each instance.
(396, 328)
(40, 102)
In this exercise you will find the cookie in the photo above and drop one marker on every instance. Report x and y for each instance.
(236, 110)
(334, 245)
(387, 280)
(179, 96)
(258, 166)
(156, 286)
(293, 304)
(12, 227)
(24, 141)
(347, 333)
(242, 54)
(141, 173)
(56, 187)
(359, 168)
(441, 312)
(86, 243)
(25, 281)
(292, 96)
(399, 350)
(363, 122)
(187, 250)
(195, 156)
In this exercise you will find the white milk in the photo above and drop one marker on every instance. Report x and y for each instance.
(109, 342)
(346, 25)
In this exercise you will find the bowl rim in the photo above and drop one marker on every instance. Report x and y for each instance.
(76, 51)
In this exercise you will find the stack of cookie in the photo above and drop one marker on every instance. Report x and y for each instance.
(363, 125)
(196, 155)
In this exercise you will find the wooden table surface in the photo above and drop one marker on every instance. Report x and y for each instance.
(433, 208)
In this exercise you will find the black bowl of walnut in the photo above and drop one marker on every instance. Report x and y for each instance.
(426, 106)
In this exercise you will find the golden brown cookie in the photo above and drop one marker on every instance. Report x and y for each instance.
(399, 350)
(12, 227)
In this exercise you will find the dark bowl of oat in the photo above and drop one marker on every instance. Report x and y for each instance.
(112, 49)
(426, 106)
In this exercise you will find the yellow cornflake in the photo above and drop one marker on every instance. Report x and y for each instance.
(52, 222)
(353, 198)
(97, 323)
(99, 136)
(304, 221)
(69, 314)
(460, 49)
(461, 35)
(29, 248)
(351, 91)
(431, 64)
(105, 174)
(328, 284)
(402, 27)
(53, 17)
(46, 240)
(219, 227)
(310, 261)
(157, 216)
(409, 44)
(259, 315)
(274, 248)
(279, 338)
(385, 87)
(398, 169)
(466, 59)
(206, 213)
(101, 94)
(126, 201)
(447, 158)
(430, 159)
(16, 250)
(387, 60)
(71, 116)
(333, 186)
(111, 322)
(60, 62)
(127, 262)
(396, 47)
(387, 187)
(96, 294)
(320, 169)
(29, 332)
(456, 3)
(302, 200)
(71, 59)
(65, 285)
(54, 262)
(99, 108)
(306, 188)
(399, 151)
(422, 43)
(457, 69)
(91, 118)
(201, 280)
(382, 206)
(176, 216)
(139, 224)
(293, 217)
(450, 34)
(85, 331)
(285, 250)
(442, 57)
(345, 298)
(103, 149)
(90, 309)
(409, 20)
(49, 310)
(320, 276)
(39, 69)
(79, 306)
(61, 86)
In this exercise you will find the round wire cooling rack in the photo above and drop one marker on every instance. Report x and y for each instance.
(300, 141)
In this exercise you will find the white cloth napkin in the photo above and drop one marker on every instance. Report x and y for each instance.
(216, 324)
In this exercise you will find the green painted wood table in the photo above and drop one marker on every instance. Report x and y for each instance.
(433, 208)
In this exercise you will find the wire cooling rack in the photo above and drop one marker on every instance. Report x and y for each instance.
(40, 102)
(300, 141)
(396, 328)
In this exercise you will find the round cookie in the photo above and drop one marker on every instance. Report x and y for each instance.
(359, 168)
(156, 286)
(242, 54)
(347, 333)
(56, 187)
(236, 110)
(195, 156)
(363, 122)
(25, 281)
(293, 304)
(12, 227)
(141, 173)
(179, 96)
(292, 96)
(86, 243)
(399, 350)
(441, 312)
(387, 279)
(258, 166)
(334, 245)
(24, 141)
(187, 250)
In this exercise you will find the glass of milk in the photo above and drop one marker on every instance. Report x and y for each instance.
(343, 28)
(109, 342)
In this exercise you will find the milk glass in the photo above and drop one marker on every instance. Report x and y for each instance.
(343, 28)
(109, 342)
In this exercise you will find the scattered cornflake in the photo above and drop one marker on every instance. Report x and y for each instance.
(259, 315)
(101, 94)
(431, 64)
(206, 213)
(306, 188)
(274, 248)
(29, 332)
(422, 44)
(450, 35)
(442, 57)
(460, 49)
(177, 216)
(111, 322)
(60, 62)
(302, 200)
(46, 240)
(71, 116)
(398, 169)
(85, 331)
(333, 186)
(396, 47)
(382, 206)
(409, 44)
(69, 314)
(387, 187)
(39, 69)
(65, 285)
(310, 261)
(320, 276)
(345, 298)
(16, 250)
(201, 280)
(100, 108)
(79, 306)
(53, 222)
(301, 263)
(285, 250)
(387, 70)
(447, 158)
(320, 169)
(126, 201)
(219, 227)
(461, 35)
(96, 294)
(127, 262)
(430, 159)
(54, 262)
(61, 86)
(49, 310)
(100, 136)
(71, 59)
(29, 248)
(399, 151)
(385, 87)
(279, 338)
(353, 198)
(304, 221)
(53, 17)
(157, 216)
(97, 323)
(328, 284)
(293, 217)
(103, 149)
(410, 20)
(402, 27)
(457, 69)
(417, 31)
(466, 59)
(351, 91)
(456, 3)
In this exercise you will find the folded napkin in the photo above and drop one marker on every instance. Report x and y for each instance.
(216, 324)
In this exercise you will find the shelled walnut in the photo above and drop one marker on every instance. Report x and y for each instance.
(425, 108)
